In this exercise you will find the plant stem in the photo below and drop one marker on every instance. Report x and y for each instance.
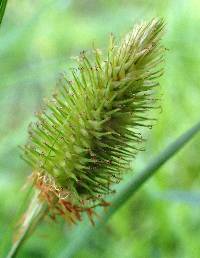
(37, 210)
(151, 169)
(130, 189)
(35, 213)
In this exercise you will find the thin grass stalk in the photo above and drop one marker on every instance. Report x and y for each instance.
(2, 9)
(139, 179)
(37, 210)
(131, 188)
(34, 215)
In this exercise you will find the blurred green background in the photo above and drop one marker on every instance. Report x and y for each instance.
(37, 39)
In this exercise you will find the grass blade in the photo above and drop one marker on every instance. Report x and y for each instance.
(2, 9)
(130, 189)
(151, 169)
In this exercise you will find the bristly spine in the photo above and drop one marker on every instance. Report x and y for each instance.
(91, 129)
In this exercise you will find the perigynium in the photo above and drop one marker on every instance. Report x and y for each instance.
(91, 129)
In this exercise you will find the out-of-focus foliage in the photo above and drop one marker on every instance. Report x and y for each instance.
(36, 40)
(2, 9)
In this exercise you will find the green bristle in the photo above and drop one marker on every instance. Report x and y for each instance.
(91, 129)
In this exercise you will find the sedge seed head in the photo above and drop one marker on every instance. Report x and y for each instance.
(91, 128)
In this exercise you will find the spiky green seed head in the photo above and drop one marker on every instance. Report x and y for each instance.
(91, 129)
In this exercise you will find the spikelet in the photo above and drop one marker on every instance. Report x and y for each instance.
(91, 128)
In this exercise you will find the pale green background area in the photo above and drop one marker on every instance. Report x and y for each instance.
(37, 39)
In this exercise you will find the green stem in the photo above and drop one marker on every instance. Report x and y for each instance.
(130, 189)
(2, 9)
(37, 210)
(151, 169)
(35, 213)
